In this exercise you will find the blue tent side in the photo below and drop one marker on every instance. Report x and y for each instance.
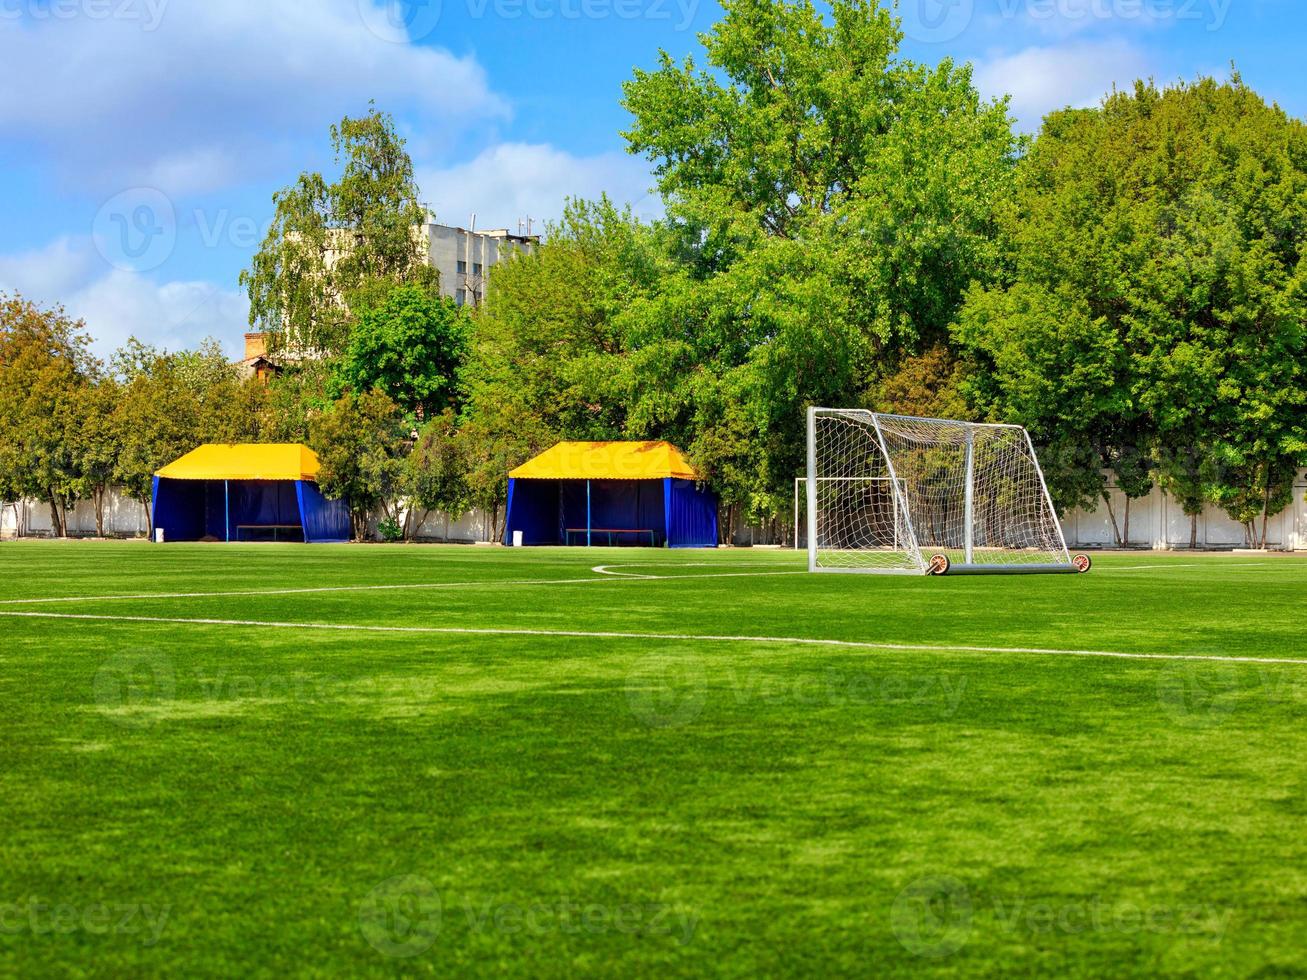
(323, 519)
(177, 507)
(691, 514)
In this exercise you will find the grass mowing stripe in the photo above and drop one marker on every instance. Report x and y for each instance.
(680, 637)
(488, 583)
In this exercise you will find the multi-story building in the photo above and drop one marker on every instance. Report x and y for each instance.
(464, 257)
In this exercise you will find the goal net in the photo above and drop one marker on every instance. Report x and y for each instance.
(889, 493)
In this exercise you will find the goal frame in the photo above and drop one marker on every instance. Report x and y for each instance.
(932, 566)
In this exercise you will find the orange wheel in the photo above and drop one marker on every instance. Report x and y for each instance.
(939, 565)
(1083, 563)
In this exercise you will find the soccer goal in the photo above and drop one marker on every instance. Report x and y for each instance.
(900, 495)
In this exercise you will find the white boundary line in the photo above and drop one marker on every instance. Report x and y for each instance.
(613, 635)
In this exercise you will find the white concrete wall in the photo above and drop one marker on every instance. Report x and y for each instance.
(1156, 521)
(123, 517)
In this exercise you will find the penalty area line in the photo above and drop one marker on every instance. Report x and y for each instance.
(621, 635)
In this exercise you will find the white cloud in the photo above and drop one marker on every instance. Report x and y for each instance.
(1042, 79)
(190, 93)
(120, 304)
(518, 180)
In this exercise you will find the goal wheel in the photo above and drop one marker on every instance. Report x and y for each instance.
(1083, 563)
(939, 565)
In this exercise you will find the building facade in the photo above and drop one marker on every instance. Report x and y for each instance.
(463, 257)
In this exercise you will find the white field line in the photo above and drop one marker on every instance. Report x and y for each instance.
(680, 637)
(314, 590)
(1196, 564)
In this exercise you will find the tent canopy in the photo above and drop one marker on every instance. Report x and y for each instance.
(245, 461)
(607, 461)
(611, 493)
(246, 492)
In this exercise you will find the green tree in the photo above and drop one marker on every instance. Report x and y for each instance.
(158, 417)
(93, 441)
(45, 362)
(332, 245)
(829, 203)
(546, 357)
(411, 346)
(1169, 226)
(810, 127)
(360, 441)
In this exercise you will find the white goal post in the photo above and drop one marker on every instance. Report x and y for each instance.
(893, 494)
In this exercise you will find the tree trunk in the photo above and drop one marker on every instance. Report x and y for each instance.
(1193, 532)
(56, 525)
(149, 518)
(1116, 530)
(446, 537)
(1266, 506)
(1125, 530)
(98, 496)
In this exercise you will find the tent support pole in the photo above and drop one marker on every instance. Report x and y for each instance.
(226, 508)
(587, 513)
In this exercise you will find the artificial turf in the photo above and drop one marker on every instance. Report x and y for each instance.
(224, 797)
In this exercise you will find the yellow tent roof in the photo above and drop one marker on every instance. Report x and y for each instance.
(607, 461)
(245, 461)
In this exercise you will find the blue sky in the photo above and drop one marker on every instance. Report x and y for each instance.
(141, 140)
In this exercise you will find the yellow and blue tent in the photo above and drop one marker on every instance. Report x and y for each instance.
(611, 493)
(245, 492)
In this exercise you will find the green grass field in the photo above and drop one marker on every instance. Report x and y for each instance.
(270, 759)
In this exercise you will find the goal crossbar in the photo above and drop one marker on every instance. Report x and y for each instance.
(895, 494)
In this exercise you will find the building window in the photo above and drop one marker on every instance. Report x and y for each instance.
(476, 268)
(460, 296)
(462, 267)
